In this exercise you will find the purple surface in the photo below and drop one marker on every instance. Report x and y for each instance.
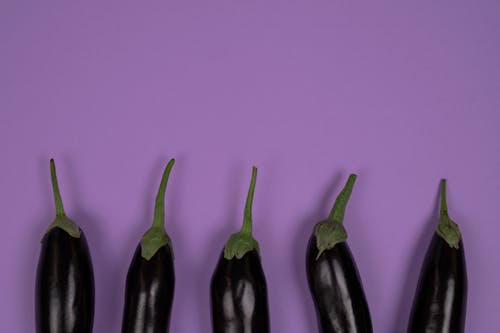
(402, 94)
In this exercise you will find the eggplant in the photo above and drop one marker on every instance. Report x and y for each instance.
(440, 301)
(64, 291)
(149, 289)
(332, 275)
(238, 289)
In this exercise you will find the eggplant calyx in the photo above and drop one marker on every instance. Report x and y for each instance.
(330, 232)
(243, 242)
(153, 240)
(449, 231)
(66, 224)
(447, 228)
(240, 244)
(61, 221)
(156, 236)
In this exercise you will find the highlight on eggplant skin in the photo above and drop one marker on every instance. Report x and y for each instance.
(333, 277)
(64, 288)
(150, 284)
(440, 300)
(149, 293)
(238, 291)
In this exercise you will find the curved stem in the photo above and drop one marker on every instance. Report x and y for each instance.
(55, 188)
(156, 236)
(159, 214)
(444, 205)
(61, 221)
(338, 209)
(243, 242)
(247, 217)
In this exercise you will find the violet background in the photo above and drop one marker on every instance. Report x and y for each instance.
(400, 93)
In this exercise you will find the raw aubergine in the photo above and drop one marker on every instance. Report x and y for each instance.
(149, 289)
(238, 287)
(440, 301)
(332, 274)
(64, 293)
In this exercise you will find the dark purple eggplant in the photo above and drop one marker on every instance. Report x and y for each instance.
(440, 301)
(64, 292)
(149, 290)
(238, 287)
(332, 275)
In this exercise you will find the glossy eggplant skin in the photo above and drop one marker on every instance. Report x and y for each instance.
(149, 292)
(239, 295)
(337, 291)
(64, 289)
(440, 301)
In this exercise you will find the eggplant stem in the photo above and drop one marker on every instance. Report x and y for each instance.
(338, 209)
(330, 232)
(156, 236)
(246, 228)
(159, 214)
(447, 228)
(55, 188)
(444, 205)
(61, 221)
(242, 241)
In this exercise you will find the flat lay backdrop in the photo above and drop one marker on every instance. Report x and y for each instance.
(308, 91)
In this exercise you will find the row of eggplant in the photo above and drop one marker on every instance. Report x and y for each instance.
(64, 299)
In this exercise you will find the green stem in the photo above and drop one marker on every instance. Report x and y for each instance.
(447, 228)
(330, 232)
(444, 205)
(159, 214)
(55, 187)
(247, 216)
(338, 209)
(243, 242)
(61, 221)
(156, 236)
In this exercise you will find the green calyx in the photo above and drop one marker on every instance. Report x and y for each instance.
(156, 236)
(61, 221)
(330, 232)
(447, 228)
(243, 242)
